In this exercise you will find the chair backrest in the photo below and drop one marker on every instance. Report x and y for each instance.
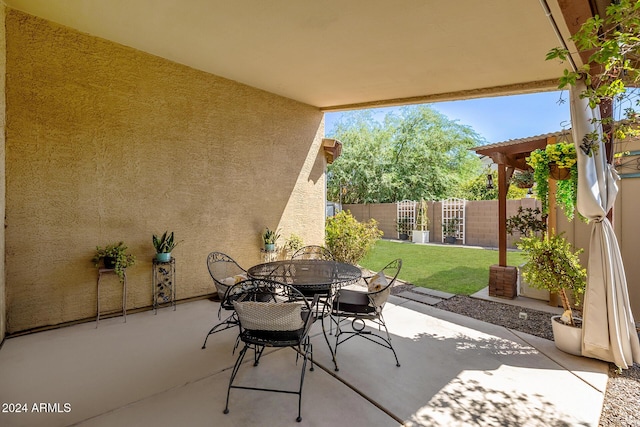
(313, 252)
(392, 270)
(224, 271)
(271, 312)
(380, 287)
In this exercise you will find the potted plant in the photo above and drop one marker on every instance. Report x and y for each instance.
(292, 244)
(553, 265)
(270, 237)
(114, 256)
(403, 226)
(557, 161)
(421, 234)
(450, 229)
(523, 179)
(525, 222)
(164, 245)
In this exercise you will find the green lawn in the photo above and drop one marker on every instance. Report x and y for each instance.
(453, 269)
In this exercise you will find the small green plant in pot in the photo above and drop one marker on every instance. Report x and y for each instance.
(270, 238)
(114, 256)
(523, 179)
(557, 161)
(403, 226)
(552, 264)
(164, 245)
(293, 243)
(449, 229)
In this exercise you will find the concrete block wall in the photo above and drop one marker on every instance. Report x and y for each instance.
(384, 213)
(481, 219)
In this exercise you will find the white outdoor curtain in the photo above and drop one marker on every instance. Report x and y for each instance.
(608, 329)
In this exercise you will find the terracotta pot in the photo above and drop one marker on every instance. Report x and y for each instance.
(559, 174)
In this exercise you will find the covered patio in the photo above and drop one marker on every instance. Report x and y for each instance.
(123, 120)
(152, 371)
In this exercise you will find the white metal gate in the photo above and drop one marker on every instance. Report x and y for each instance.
(405, 217)
(453, 210)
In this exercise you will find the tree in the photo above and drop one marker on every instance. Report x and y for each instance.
(613, 45)
(418, 154)
(476, 189)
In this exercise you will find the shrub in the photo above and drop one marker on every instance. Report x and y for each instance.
(553, 265)
(350, 240)
(527, 221)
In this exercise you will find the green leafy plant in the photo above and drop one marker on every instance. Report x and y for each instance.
(527, 221)
(165, 243)
(450, 226)
(613, 46)
(403, 225)
(270, 237)
(348, 239)
(293, 243)
(523, 179)
(117, 253)
(553, 265)
(563, 155)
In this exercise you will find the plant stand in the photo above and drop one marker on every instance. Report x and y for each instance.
(503, 281)
(164, 283)
(269, 256)
(102, 271)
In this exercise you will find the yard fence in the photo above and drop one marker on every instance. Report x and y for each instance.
(480, 223)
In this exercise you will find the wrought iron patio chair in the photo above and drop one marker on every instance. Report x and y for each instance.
(313, 252)
(358, 306)
(225, 273)
(281, 320)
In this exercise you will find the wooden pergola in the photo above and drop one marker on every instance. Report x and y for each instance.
(510, 156)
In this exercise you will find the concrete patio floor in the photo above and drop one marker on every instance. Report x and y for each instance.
(151, 371)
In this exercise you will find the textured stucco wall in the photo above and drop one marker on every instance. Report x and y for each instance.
(106, 143)
(3, 110)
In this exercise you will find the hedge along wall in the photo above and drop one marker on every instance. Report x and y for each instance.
(106, 143)
(481, 219)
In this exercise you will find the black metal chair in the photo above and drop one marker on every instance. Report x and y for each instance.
(313, 252)
(283, 319)
(358, 306)
(225, 273)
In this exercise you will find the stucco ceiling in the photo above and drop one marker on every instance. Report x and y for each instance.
(337, 54)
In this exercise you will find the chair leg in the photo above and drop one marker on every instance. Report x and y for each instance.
(359, 330)
(228, 323)
(234, 372)
(308, 354)
(384, 325)
(257, 354)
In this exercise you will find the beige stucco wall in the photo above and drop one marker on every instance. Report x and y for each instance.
(3, 110)
(106, 143)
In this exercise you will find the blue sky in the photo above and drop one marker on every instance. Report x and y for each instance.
(501, 118)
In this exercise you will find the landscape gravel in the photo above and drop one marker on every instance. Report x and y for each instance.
(621, 405)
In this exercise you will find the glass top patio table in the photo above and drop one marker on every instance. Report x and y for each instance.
(308, 274)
